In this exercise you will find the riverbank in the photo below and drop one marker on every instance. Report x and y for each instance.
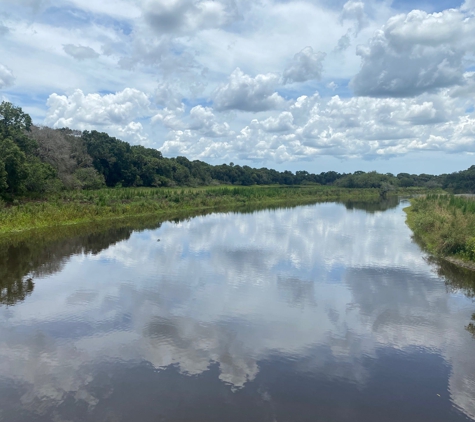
(75, 207)
(445, 226)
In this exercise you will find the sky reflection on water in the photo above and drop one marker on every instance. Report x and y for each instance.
(320, 312)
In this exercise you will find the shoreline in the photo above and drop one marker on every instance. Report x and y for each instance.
(460, 262)
(162, 215)
(430, 232)
(82, 207)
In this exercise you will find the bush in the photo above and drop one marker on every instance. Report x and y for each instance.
(89, 178)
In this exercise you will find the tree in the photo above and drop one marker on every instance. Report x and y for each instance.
(3, 178)
(89, 178)
(13, 161)
(385, 189)
(14, 124)
(55, 149)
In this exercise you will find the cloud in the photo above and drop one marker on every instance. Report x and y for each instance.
(184, 16)
(204, 120)
(354, 11)
(3, 29)
(343, 43)
(34, 5)
(283, 122)
(311, 126)
(114, 112)
(6, 77)
(219, 61)
(415, 53)
(242, 92)
(374, 127)
(307, 65)
(168, 96)
(468, 5)
(203, 133)
(170, 118)
(80, 52)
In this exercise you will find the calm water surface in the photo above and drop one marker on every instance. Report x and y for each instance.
(328, 312)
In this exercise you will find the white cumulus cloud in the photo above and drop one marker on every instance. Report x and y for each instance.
(242, 92)
(204, 120)
(112, 112)
(312, 126)
(416, 53)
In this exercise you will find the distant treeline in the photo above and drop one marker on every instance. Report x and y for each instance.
(41, 160)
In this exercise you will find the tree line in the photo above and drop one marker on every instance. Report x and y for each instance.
(38, 160)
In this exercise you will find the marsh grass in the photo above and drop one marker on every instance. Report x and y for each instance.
(73, 207)
(445, 224)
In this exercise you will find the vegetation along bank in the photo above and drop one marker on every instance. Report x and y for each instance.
(445, 225)
(81, 206)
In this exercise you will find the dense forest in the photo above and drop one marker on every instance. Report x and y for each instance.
(38, 160)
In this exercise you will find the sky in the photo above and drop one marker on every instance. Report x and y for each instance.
(312, 85)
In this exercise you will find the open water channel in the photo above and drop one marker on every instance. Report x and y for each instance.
(327, 312)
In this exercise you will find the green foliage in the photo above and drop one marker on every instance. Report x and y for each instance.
(71, 207)
(41, 177)
(3, 178)
(13, 160)
(89, 178)
(12, 118)
(385, 188)
(361, 179)
(445, 224)
(460, 182)
(14, 124)
(21, 171)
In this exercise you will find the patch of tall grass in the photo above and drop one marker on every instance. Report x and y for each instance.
(445, 224)
(71, 207)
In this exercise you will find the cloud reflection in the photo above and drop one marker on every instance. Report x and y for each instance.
(320, 285)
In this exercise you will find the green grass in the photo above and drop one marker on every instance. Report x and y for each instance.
(444, 225)
(73, 207)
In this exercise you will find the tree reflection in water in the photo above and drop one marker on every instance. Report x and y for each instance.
(38, 254)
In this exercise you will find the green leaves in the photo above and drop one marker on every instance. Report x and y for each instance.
(13, 118)
(14, 163)
(89, 178)
(14, 124)
(41, 176)
(3, 178)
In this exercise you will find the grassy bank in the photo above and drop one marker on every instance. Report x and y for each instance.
(72, 207)
(444, 225)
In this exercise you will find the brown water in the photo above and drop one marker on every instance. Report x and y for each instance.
(317, 313)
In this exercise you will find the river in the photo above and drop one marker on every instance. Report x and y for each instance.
(327, 312)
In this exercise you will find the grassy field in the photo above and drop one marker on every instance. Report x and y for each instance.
(444, 224)
(73, 207)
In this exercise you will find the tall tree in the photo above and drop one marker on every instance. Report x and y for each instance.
(15, 124)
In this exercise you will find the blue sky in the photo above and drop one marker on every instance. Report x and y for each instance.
(315, 85)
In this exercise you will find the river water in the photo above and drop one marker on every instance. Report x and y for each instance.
(326, 312)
